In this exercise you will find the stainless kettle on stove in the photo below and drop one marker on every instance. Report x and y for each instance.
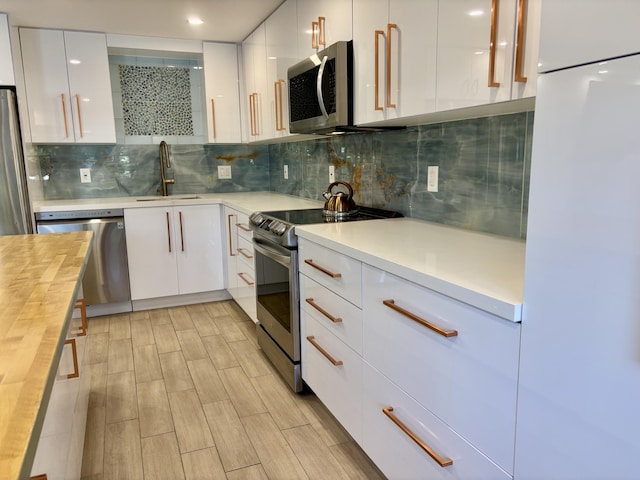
(339, 204)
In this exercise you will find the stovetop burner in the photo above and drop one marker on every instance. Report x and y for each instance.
(278, 226)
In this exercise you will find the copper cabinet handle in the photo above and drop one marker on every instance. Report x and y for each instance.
(442, 461)
(492, 44)
(277, 90)
(181, 233)
(309, 261)
(312, 341)
(389, 27)
(257, 114)
(518, 76)
(242, 226)
(245, 255)
(79, 115)
(315, 33)
(81, 305)
(242, 276)
(74, 352)
(323, 311)
(168, 231)
(213, 117)
(64, 115)
(252, 114)
(376, 82)
(321, 39)
(229, 216)
(442, 331)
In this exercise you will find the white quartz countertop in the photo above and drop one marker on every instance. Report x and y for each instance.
(246, 202)
(482, 270)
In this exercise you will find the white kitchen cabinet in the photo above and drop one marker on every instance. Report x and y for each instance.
(259, 122)
(222, 92)
(395, 44)
(7, 76)
(282, 52)
(174, 250)
(322, 23)
(68, 86)
(576, 32)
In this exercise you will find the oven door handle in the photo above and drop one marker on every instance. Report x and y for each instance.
(264, 249)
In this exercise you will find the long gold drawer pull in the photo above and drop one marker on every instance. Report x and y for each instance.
(74, 353)
(81, 305)
(443, 462)
(248, 282)
(442, 331)
(309, 261)
(229, 228)
(64, 116)
(213, 117)
(242, 226)
(79, 115)
(168, 231)
(315, 33)
(376, 79)
(388, 103)
(492, 44)
(181, 233)
(323, 311)
(244, 254)
(518, 75)
(312, 341)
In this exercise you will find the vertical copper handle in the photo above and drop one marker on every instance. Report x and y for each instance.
(242, 276)
(74, 353)
(315, 33)
(64, 116)
(309, 261)
(442, 461)
(376, 83)
(79, 115)
(312, 341)
(492, 44)
(442, 331)
(311, 302)
(181, 233)
(168, 231)
(229, 216)
(251, 116)
(321, 40)
(258, 113)
(213, 117)
(388, 79)
(518, 75)
(277, 90)
(81, 305)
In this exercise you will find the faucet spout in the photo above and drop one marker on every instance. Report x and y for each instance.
(165, 162)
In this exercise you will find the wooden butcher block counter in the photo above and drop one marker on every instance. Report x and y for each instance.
(39, 279)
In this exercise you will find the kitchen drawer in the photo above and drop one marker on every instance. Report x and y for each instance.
(327, 308)
(469, 380)
(242, 223)
(339, 387)
(397, 455)
(339, 273)
(245, 254)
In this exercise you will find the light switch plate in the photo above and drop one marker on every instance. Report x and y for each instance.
(224, 172)
(432, 178)
(332, 174)
(85, 175)
(286, 172)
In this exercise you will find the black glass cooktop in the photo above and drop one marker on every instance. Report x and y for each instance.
(315, 215)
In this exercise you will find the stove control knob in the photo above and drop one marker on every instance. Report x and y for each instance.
(257, 219)
(281, 228)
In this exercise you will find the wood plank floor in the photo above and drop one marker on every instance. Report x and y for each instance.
(186, 393)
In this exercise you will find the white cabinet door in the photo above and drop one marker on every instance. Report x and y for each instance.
(393, 34)
(68, 86)
(6, 58)
(574, 32)
(199, 247)
(255, 64)
(321, 23)
(90, 87)
(465, 57)
(282, 52)
(151, 252)
(222, 92)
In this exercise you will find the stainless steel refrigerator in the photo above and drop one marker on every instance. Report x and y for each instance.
(15, 214)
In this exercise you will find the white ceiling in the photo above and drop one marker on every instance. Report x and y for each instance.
(224, 20)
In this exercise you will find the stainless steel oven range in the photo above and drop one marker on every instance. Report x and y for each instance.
(277, 285)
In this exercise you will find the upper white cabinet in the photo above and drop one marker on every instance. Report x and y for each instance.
(321, 23)
(6, 59)
(282, 52)
(68, 86)
(576, 32)
(260, 123)
(395, 58)
(222, 92)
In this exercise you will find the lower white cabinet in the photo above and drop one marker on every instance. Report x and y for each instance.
(174, 250)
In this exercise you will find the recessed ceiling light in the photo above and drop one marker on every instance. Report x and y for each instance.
(195, 21)
(476, 13)
(74, 61)
(603, 71)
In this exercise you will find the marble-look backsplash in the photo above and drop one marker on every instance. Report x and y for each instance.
(484, 166)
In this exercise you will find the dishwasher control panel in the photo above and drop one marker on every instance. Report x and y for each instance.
(80, 214)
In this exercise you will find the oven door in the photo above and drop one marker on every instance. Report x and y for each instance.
(277, 295)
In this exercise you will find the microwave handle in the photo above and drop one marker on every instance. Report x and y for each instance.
(319, 87)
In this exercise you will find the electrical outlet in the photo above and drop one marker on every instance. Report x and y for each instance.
(432, 178)
(224, 172)
(332, 174)
(286, 172)
(85, 175)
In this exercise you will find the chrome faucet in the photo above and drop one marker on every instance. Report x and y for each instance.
(164, 158)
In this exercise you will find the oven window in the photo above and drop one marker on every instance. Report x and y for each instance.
(273, 288)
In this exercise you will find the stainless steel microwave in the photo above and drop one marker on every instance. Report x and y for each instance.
(321, 91)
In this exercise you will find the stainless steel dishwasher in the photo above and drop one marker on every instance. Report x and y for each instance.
(106, 280)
